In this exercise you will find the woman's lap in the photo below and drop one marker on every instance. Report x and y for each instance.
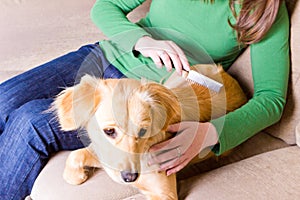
(28, 134)
(47, 80)
(30, 137)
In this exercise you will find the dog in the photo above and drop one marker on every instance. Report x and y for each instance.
(125, 117)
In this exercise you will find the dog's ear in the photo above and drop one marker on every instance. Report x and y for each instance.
(164, 104)
(75, 105)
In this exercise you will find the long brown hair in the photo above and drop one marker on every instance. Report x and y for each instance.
(254, 20)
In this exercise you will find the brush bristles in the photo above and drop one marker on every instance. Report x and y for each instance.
(204, 81)
(191, 82)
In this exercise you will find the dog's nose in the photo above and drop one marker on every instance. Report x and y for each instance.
(129, 176)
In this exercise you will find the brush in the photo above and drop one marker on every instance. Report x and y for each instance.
(196, 78)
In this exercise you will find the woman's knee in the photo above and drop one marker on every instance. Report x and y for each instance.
(39, 127)
(30, 123)
(31, 112)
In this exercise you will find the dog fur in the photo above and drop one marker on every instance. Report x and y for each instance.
(125, 117)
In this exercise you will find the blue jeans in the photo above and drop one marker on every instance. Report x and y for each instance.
(28, 135)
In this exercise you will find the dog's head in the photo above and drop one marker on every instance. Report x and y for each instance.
(123, 118)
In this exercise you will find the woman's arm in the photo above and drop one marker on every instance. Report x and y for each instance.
(270, 66)
(270, 71)
(110, 17)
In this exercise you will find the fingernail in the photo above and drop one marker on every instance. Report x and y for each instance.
(187, 68)
(161, 169)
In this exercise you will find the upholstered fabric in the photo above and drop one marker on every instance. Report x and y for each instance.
(272, 175)
(261, 168)
(298, 134)
(258, 144)
(285, 129)
(50, 184)
(35, 31)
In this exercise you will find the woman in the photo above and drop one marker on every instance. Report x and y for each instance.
(173, 34)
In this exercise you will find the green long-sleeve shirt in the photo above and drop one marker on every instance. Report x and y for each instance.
(202, 29)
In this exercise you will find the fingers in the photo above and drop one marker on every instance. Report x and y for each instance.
(165, 57)
(176, 63)
(163, 52)
(174, 127)
(161, 146)
(177, 168)
(174, 57)
(170, 161)
(174, 154)
(181, 55)
(156, 59)
(163, 156)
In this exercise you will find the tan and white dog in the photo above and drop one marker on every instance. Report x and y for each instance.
(125, 117)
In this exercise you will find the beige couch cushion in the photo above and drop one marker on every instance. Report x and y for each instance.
(285, 129)
(51, 186)
(258, 144)
(272, 175)
(298, 134)
(36, 31)
(252, 178)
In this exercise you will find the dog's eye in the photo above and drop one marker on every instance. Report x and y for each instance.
(142, 132)
(111, 132)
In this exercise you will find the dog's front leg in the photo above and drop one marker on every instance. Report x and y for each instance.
(77, 164)
(158, 186)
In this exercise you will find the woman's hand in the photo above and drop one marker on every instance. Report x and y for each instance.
(174, 154)
(163, 52)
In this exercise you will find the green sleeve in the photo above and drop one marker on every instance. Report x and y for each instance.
(270, 71)
(110, 17)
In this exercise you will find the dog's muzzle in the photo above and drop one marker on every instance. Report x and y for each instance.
(129, 176)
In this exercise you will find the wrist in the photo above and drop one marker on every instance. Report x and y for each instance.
(211, 137)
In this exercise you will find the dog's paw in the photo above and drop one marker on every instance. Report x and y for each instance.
(75, 176)
(75, 172)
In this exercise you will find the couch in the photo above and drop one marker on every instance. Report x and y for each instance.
(267, 166)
